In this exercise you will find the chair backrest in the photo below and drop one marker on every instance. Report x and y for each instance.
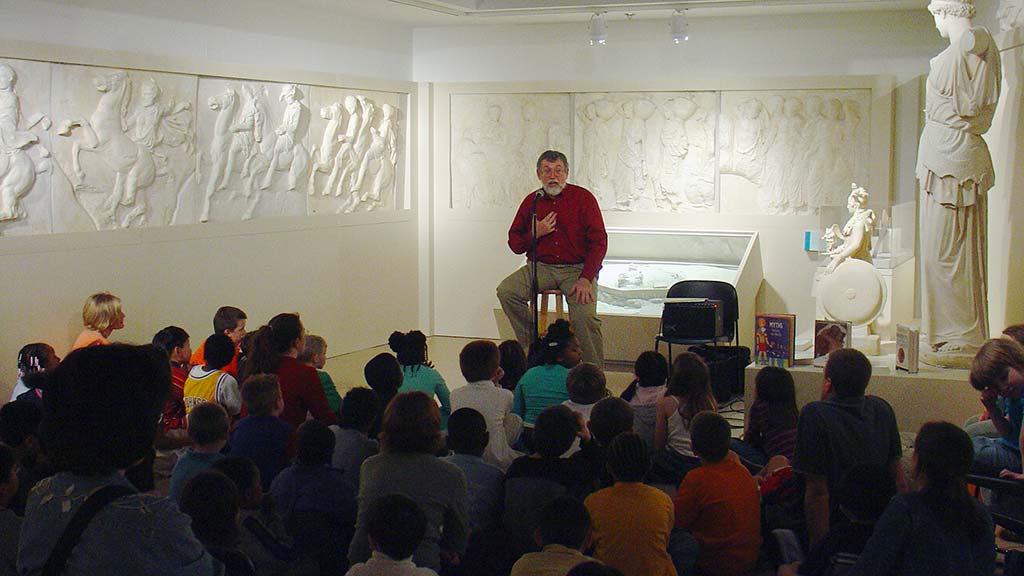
(712, 290)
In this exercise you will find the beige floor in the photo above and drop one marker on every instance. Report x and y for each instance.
(347, 370)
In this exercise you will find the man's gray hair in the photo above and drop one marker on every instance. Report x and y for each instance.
(553, 156)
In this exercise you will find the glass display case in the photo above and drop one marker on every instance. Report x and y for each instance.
(641, 265)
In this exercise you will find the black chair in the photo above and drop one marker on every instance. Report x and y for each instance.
(1007, 510)
(711, 290)
(724, 382)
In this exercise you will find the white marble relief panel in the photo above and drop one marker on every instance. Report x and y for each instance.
(792, 151)
(124, 144)
(357, 148)
(650, 152)
(25, 150)
(496, 140)
(253, 152)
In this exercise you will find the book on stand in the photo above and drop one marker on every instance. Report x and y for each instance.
(775, 339)
(908, 344)
(831, 335)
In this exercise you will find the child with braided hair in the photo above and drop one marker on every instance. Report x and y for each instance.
(544, 384)
(33, 359)
(418, 374)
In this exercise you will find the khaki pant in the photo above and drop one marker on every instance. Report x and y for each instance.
(514, 295)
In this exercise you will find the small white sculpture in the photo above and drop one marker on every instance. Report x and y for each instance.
(289, 152)
(105, 133)
(17, 168)
(855, 235)
(954, 168)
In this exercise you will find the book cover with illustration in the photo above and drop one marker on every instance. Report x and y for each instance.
(775, 339)
(831, 335)
(908, 342)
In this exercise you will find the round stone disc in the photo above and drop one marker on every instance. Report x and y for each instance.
(854, 291)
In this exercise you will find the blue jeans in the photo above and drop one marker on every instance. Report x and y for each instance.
(991, 456)
(683, 548)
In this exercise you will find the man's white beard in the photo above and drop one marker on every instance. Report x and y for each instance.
(553, 189)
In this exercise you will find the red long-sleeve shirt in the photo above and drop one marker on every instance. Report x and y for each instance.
(302, 391)
(579, 235)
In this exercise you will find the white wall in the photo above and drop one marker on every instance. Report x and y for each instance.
(892, 43)
(280, 35)
(470, 254)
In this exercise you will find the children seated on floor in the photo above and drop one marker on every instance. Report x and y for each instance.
(261, 435)
(772, 419)
(229, 321)
(352, 444)
(395, 526)
(480, 364)
(262, 536)
(211, 500)
(383, 374)
(513, 363)
(19, 430)
(209, 382)
(314, 353)
(688, 392)
(33, 360)
(175, 341)
(275, 351)
(316, 502)
(632, 521)
(418, 373)
(408, 464)
(610, 417)
(100, 416)
(586, 384)
(533, 481)
(467, 438)
(650, 372)
(939, 529)
(862, 495)
(718, 503)
(544, 384)
(101, 315)
(10, 523)
(563, 532)
(997, 371)
(208, 425)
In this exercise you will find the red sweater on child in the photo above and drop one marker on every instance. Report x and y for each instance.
(720, 505)
(302, 392)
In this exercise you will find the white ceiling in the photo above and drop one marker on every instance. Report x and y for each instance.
(429, 13)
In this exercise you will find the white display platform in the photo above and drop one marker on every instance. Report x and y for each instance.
(931, 394)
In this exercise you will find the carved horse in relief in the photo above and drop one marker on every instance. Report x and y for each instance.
(106, 134)
(324, 158)
(220, 148)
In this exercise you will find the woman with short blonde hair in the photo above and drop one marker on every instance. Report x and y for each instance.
(101, 315)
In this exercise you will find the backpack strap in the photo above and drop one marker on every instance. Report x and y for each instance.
(73, 531)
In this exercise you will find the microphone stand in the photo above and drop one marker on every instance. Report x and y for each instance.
(534, 283)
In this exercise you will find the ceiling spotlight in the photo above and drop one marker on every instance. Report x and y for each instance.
(598, 30)
(680, 27)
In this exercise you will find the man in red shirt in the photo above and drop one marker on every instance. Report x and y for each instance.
(571, 244)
